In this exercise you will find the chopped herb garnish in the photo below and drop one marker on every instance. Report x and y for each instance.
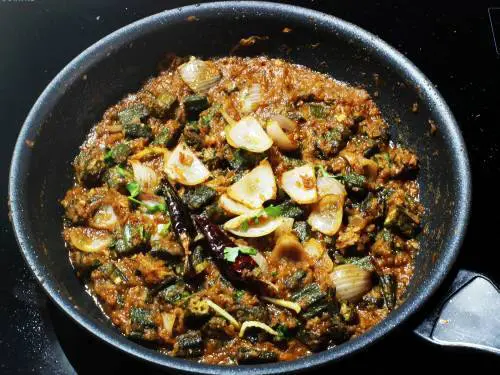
(231, 253)
(150, 206)
(123, 172)
(210, 113)
(134, 189)
(321, 171)
(283, 332)
(272, 211)
(244, 225)
(108, 156)
(387, 158)
(163, 229)
(238, 294)
(269, 211)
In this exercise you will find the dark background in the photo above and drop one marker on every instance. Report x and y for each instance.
(451, 42)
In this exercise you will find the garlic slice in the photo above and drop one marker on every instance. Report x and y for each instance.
(248, 134)
(88, 240)
(300, 184)
(256, 187)
(232, 207)
(184, 166)
(145, 176)
(247, 226)
(330, 185)
(104, 218)
(326, 215)
(199, 75)
(250, 98)
(274, 129)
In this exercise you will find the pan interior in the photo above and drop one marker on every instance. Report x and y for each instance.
(77, 99)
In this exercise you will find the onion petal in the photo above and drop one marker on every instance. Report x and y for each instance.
(199, 75)
(351, 282)
(184, 166)
(300, 184)
(248, 135)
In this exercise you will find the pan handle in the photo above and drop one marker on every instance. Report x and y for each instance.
(467, 315)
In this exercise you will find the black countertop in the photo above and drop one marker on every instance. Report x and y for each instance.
(451, 42)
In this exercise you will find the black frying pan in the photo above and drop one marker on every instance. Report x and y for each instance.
(57, 124)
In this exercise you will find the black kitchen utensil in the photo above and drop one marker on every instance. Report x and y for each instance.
(75, 100)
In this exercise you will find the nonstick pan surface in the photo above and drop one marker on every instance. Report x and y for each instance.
(75, 100)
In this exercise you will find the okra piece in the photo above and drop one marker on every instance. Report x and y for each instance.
(194, 105)
(189, 345)
(388, 283)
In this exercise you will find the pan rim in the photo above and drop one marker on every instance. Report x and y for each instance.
(122, 36)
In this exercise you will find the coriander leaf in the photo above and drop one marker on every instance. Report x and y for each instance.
(231, 253)
(283, 332)
(123, 172)
(244, 225)
(238, 294)
(133, 188)
(108, 156)
(151, 207)
(272, 211)
(321, 171)
(163, 229)
(387, 158)
(132, 199)
(154, 207)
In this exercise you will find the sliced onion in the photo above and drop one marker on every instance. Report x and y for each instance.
(300, 184)
(168, 322)
(285, 123)
(279, 137)
(199, 75)
(351, 282)
(255, 324)
(104, 218)
(288, 246)
(256, 187)
(261, 261)
(184, 166)
(89, 240)
(248, 135)
(285, 227)
(326, 215)
(145, 176)
(330, 185)
(250, 98)
(232, 207)
(284, 303)
(220, 311)
(246, 226)
(314, 248)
